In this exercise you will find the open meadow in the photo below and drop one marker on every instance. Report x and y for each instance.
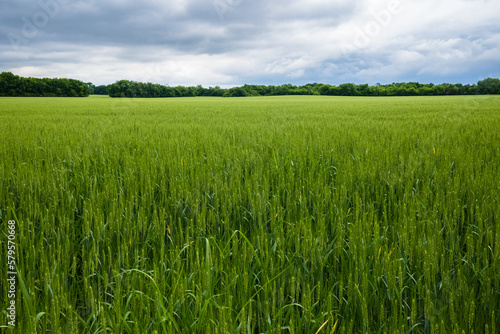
(252, 215)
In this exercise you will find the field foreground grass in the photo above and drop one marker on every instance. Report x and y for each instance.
(252, 215)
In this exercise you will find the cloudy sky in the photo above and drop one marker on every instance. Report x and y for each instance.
(233, 42)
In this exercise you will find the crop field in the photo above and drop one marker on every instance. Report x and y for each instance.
(252, 215)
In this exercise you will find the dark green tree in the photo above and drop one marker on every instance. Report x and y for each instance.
(488, 86)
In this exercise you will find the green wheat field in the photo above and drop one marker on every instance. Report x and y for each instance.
(252, 215)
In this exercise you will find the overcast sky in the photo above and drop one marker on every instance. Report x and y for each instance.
(233, 42)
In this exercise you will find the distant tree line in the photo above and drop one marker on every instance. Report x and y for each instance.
(97, 90)
(487, 86)
(13, 85)
(126, 88)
